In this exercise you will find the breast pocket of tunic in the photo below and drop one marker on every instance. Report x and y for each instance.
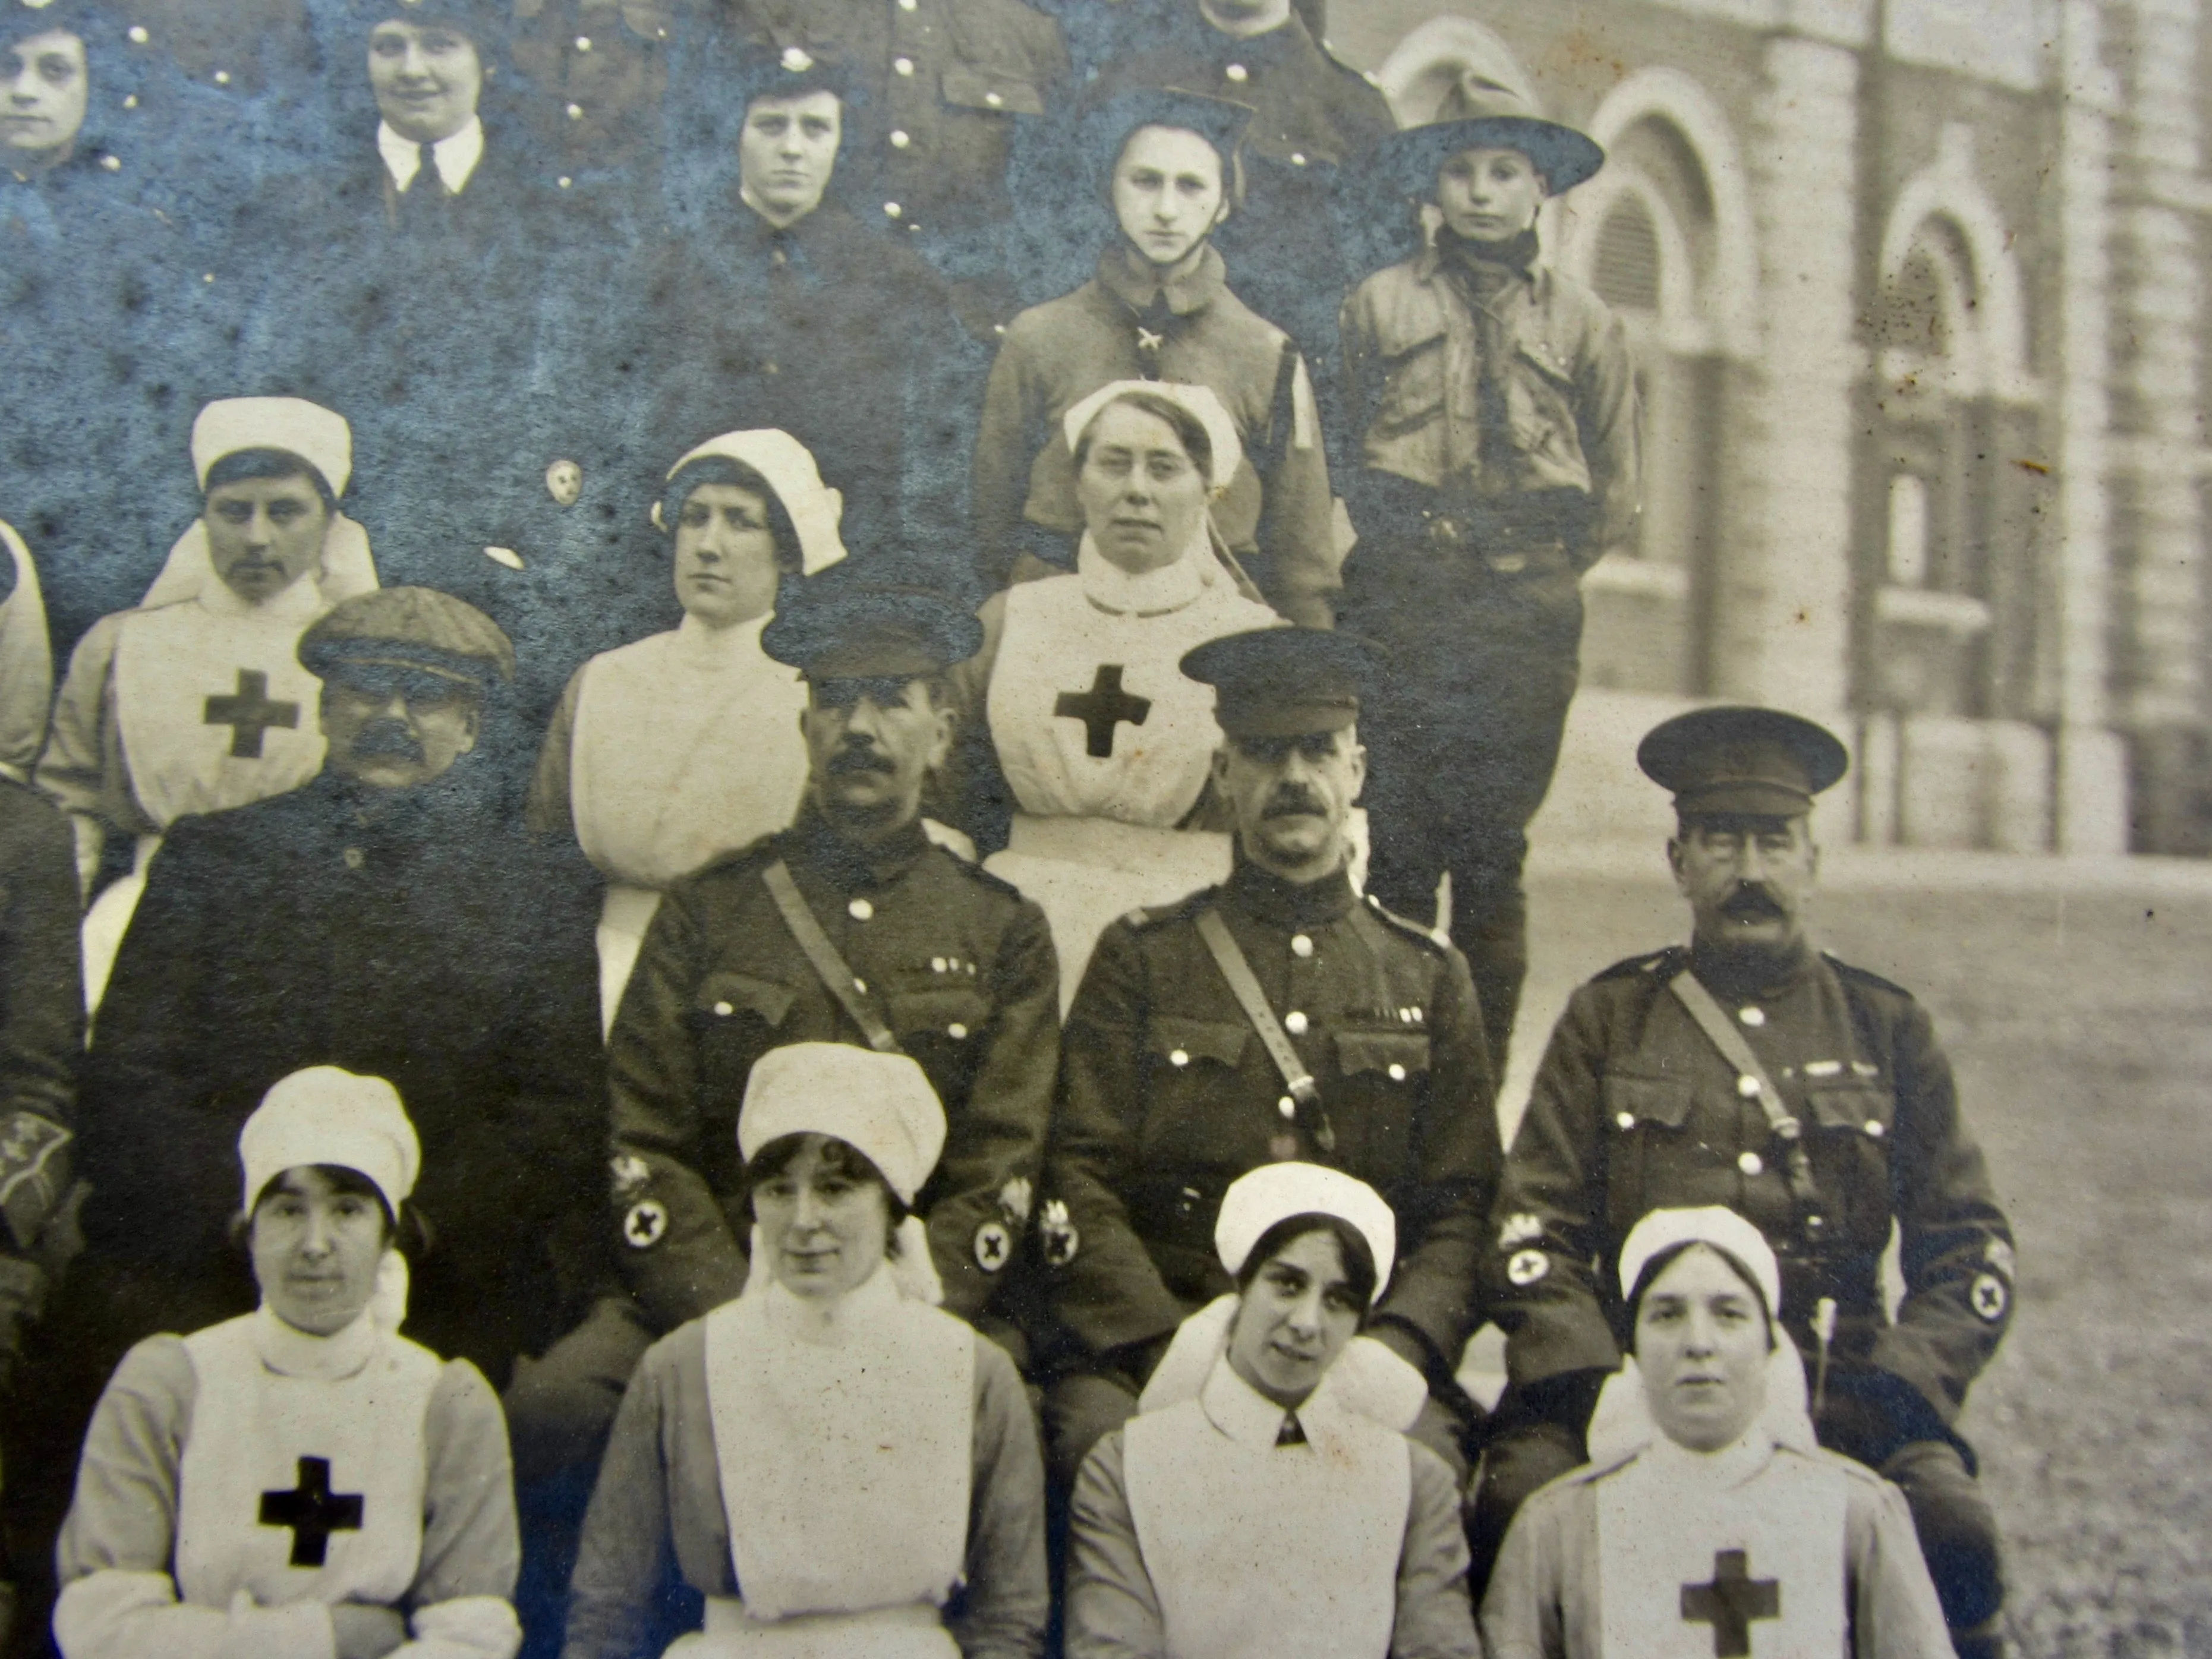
(1192, 1114)
(734, 1017)
(942, 1026)
(1413, 393)
(1542, 404)
(1382, 1079)
(1852, 1122)
(1654, 1157)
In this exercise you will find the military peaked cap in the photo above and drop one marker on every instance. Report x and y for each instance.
(417, 629)
(1286, 682)
(852, 623)
(1758, 761)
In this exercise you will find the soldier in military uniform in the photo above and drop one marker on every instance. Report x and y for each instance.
(1754, 1071)
(849, 927)
(1277, 1016)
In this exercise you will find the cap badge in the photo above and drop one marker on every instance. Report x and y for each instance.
(798, 59)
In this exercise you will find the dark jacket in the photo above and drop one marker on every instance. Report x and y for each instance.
(1634, 1110)
(430, 944)
(41, 1011)
(963, 970)
(1167, 1095)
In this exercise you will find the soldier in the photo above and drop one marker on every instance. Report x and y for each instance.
(1495, 406)
(1754, 1071)
(849, 927)
(1275, 1017)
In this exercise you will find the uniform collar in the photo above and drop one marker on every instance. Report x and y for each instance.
(847, 866)
(290, 1352)
(301, 602)
(456, 157)
(1159, 593)
(1289, 904)
(1133, 280)
(1288, 39)
(1745, 974)
(1239, 1410)
(718, 647)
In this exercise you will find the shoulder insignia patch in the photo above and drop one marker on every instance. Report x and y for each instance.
(27, 1141)
(645, 1224)
(630, 1173)
(1058, 1233)
(1999, 1254)
(1014, 1200)
(1528, 1267)
(1522, 1229)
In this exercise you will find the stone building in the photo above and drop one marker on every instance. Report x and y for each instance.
(1917, 289)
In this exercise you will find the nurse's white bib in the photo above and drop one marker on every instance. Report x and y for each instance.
(301, 1488)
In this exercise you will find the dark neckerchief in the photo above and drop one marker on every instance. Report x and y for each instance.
(1734, 974)
(1480, 272)
(1490, 266)
(848, 865)
(1280, 903)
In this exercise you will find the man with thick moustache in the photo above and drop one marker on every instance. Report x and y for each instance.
(850, 926)
(1752, 1071)
(1171, 1086)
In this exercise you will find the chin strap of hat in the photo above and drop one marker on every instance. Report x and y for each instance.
(835, 974)
(1304, 1098)
(1689, 991)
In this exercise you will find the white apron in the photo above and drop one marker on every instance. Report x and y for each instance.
(305, 1482)
(215, 711)
(1698, 1554)
(846, 1451)
(686, 747)
(1106, 744)
(1264, 1552)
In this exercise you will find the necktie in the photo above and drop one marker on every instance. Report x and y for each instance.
(421, 204)
(1293, 1433)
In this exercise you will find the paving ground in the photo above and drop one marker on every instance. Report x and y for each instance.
(2077, 1006)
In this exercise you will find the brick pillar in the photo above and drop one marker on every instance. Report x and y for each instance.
(1781, 626)
(2161, 310)
(2092, 787)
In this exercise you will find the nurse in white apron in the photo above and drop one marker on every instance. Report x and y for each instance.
(842, 1469)
(301, 1482)
(195, 701)
(1708, 1522)
(1102, 742)
(1262, 1504)
(665, 754)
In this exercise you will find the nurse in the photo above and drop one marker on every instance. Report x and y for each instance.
(840, 1466)
(665, 754)
(1261, 1505)
(1708, 1521)
(300, 1479)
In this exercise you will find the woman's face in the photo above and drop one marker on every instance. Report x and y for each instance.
(1143, 497)
(263, 534)
(824, 1231)
(315, 1250)
(725, 555)
(1702, 1343)
(1295, 1320)
(42, 92)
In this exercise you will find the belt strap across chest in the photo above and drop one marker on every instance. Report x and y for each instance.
(1244, 986)
(835, 974)
(1689, 991)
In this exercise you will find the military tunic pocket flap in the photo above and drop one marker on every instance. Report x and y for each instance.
(971, 86)
(1397, 1054)
(1630, 1099)
(1182, 1041)
(1547, 363)
(1851, 1105)
(722, 996)
(1402, 330)
(953, 1010)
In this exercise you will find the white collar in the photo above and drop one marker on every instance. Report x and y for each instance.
(723, 647)
(303, 602)
(1719, 1471)
(1157, 592)
(1241, 1411)
(456, 156)
(867, 1309)
(290, 1352)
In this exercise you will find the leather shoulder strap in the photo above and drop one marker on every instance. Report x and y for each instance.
(1689, 991)
(835, 974)
(1305, 1092)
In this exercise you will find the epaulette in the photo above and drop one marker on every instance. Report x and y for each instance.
(1863, 976)
(1153, 915)
(1435, 938)
(753, 851)
(982, 878)
(1651, 962)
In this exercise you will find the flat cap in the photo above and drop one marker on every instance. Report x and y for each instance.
(762, 71)
(1286, 682)
(417, 628)
(852, 623)
(1758, 761)
(1481, 115)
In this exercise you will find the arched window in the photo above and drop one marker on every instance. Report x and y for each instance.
(1624, 270)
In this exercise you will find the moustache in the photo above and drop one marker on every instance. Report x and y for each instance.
(848, 761)
(387, 738)
(1749, 903)
(1294, 803)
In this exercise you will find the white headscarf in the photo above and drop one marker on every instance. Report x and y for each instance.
(1622, 1423)
(1367, 1378)
(787, 465)
(1203, 403)
(26, 665)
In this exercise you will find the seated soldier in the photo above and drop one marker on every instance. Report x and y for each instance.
(1276, 1016)
(195, 701)
(1159, 308)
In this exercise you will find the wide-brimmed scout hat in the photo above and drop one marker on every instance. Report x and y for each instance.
(1481, 114)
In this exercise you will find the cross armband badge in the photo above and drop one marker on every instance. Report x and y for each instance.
(994, 1246)
(645, 1224)
(30, 1179)
(1058, 1234)
(1990, 1298)
(1528, 1267)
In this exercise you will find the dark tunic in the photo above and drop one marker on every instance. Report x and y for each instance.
(429, 945)
(1634, 1110)
(964, 970)
(1167, 1097)
(41, 1011)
